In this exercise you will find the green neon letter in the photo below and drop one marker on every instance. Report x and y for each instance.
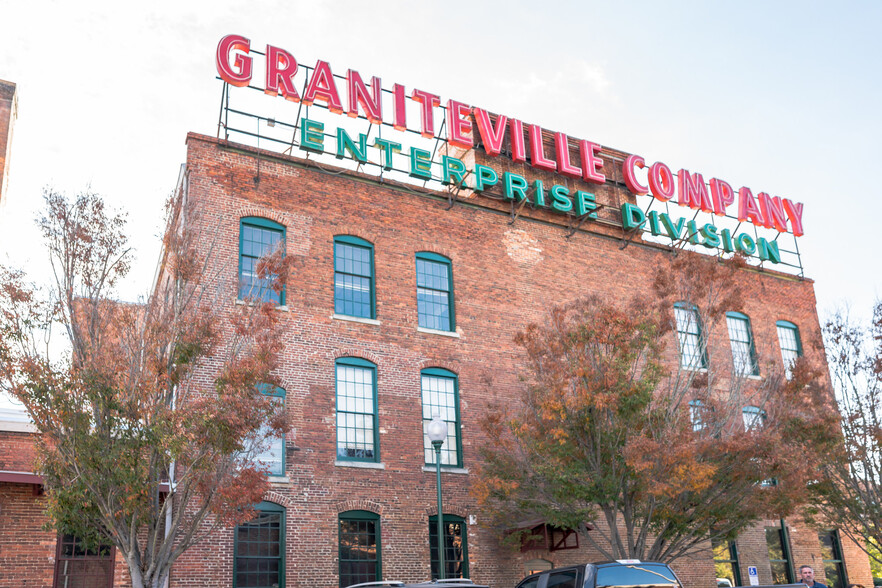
(632, 216)
(388, 147)
(345, 143)
(745, 244)
(585, 203)
(711, 238)
(768, 250)
(420, 164)
(485, 177)
(728, 247)
(515, 186)
(312, 135)
(653, 224)
(539, 196)
(561, 198)
(692, 232)
(672, 229)
(453, 168)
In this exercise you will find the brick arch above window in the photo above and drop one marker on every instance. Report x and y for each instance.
(435, 363)
(449, 509)
(359, 504)
(356, 231)
(363, 354)
(278, 498)
(267, 213)
(427, 247)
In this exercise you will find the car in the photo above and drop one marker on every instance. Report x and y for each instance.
(448, 583)
(607, 574)
(724, 583)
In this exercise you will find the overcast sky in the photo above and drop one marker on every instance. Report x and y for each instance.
(782, 97)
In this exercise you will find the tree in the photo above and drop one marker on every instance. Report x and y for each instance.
(848, 487)
(137, 448)
(604, 441)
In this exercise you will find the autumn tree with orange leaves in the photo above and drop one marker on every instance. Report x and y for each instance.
(645, 459)
(135, 450)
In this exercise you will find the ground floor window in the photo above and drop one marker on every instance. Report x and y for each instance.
(456, 553)
(359, 545)
(831, 553)
(779, 555)
(726, 562)
(260, 549)
(75, 565)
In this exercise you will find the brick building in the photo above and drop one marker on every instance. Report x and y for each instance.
(403, 301)
(8, 113)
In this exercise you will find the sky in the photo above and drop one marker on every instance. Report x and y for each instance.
(783, 97)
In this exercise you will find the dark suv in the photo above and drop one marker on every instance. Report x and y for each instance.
(451, 583)
(608, 574)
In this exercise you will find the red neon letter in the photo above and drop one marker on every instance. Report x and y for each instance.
(591, 164)
(794, 211)
(516, 132)
(634, 186)
(358, 94)
(747, 208)
(427, 116)
(537, 150)
(661, 181)
(562, 147)
(722, 195)
(400, 119)
(491, 138)
(773, 212)
(322, 86)
(239, 74)
(459, 125)
(693, 192)
(280, 67)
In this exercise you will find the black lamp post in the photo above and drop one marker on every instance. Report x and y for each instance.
(437, 432)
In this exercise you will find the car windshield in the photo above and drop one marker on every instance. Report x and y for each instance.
(634, 575)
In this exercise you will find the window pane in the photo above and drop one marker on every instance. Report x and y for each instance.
(433, 295)
(689, 338)
(78, 566)
(353, 280)
(439, 395)
(259, 551)
(356, 416)
(788, 339)
(455, 547)
(256, 243)
(359, 551)
(742, 346)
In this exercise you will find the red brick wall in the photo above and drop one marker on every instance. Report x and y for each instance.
(27, 552)
(505, 275)
(17, 452)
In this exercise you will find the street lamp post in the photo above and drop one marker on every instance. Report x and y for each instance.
(437, 432)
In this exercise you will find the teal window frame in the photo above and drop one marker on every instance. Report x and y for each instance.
(742, 344)
(359, 516)
(795, 352)
(276, 392)
(727, 548)
(694, 339)
(339, 273)
(780, 535)
(263, 224)
(263, 507)
(450, 547)
(361, 364)
(449, 457)
(422, 315)
(836, 559)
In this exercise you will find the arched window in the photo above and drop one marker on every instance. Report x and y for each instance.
(440, 393)
(753, 417)
(354, 277)
(689, 337)
(273, 457)
(434, 292)
(259, 549)
(791, 345)
(456, 552)
(357, 428)
(359, 547)
(258, 237)
(741, 341)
